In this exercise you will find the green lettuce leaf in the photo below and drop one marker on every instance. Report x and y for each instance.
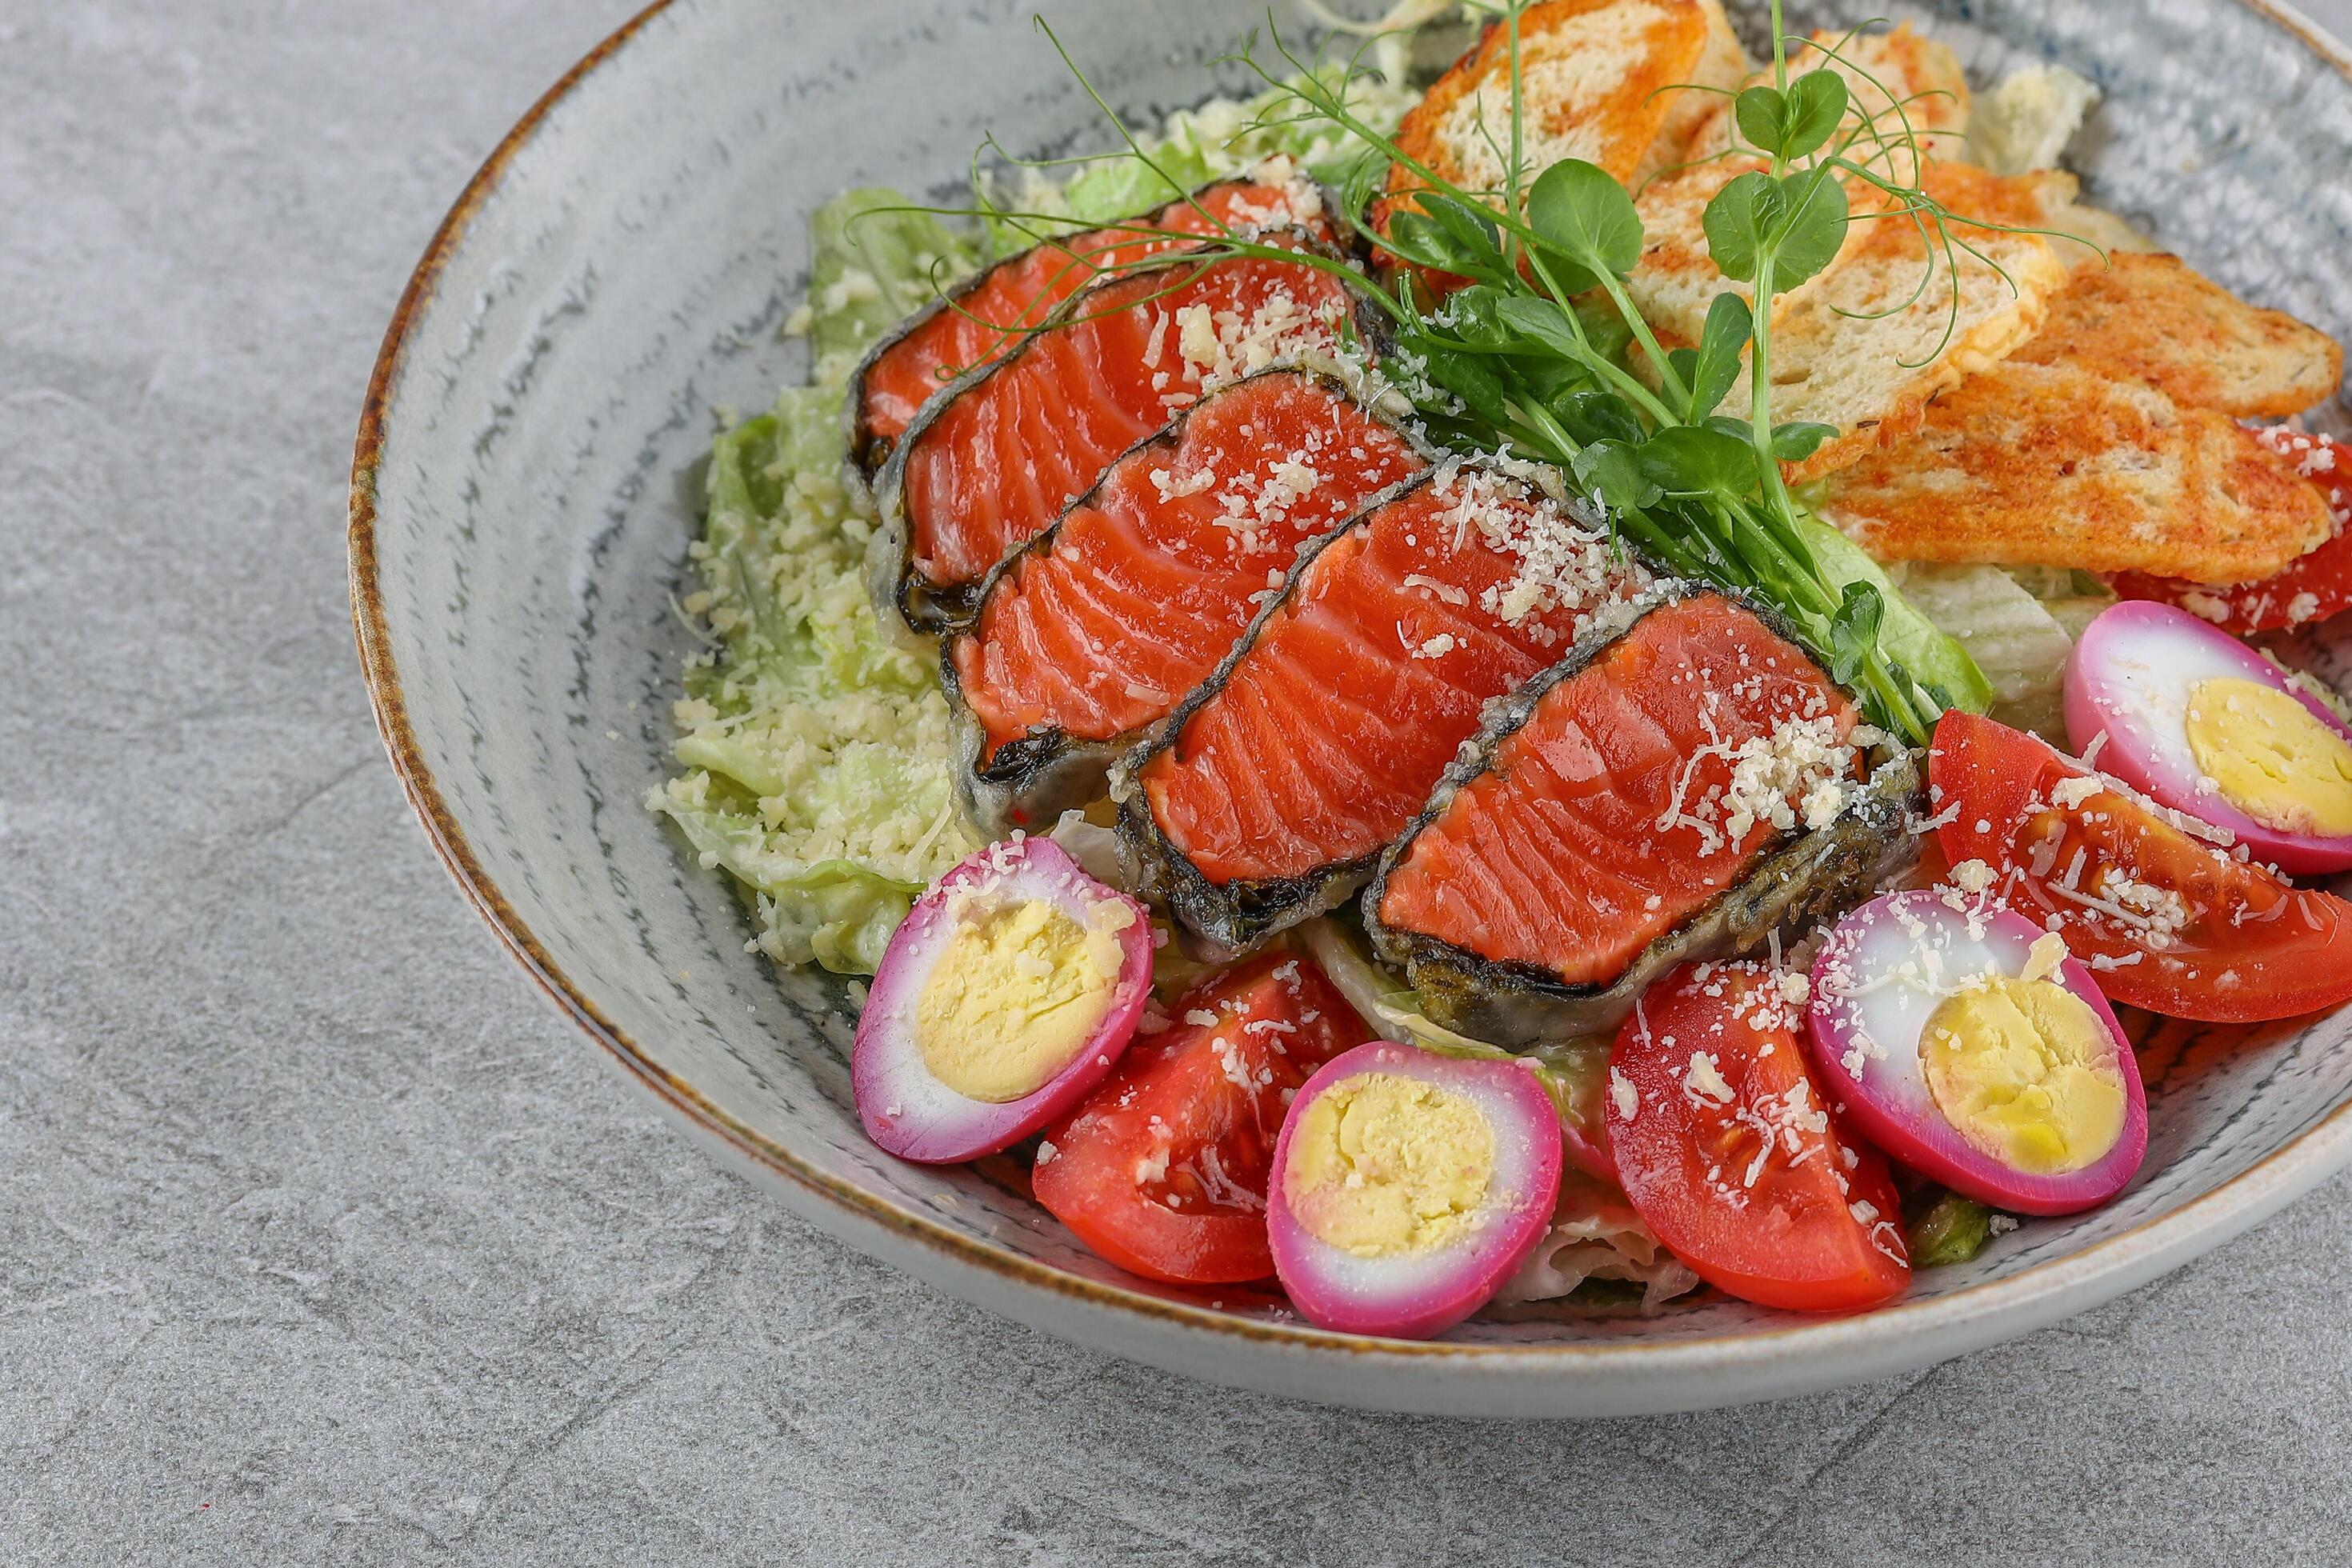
(2015, 641)
(1908, 636)
(2018, 625)
(1942, 1228)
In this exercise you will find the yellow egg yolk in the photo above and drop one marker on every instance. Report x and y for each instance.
(1019, 991)
(2026, 1072)
(1382, 1163)
(2269, 757)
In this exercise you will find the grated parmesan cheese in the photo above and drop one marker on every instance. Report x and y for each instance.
(1704, 1081)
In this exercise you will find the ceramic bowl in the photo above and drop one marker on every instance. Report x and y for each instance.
(526, 483)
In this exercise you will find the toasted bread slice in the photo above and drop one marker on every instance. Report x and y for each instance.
(1893, 80)
(1596, 81)
(2053, 463)
(2152, 319)
(1896, 323)
(1722, 64)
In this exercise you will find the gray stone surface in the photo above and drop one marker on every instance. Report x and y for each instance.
(323, 1238)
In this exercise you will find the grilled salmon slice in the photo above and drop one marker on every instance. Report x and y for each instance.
(1102, 625)
(987, 314)
(989, 467)
(1639, 785)
(1277, 783)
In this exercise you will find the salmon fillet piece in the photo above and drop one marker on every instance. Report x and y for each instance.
(1641, 785)
(991, 467)
(1323, 735)
(1109, 621)
(986, 315)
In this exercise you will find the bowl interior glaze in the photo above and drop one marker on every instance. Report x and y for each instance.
(527, 482)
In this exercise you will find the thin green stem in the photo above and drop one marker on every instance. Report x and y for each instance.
(1512, 169)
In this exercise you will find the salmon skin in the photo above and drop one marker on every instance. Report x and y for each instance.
(1094, 631)
(1269, 794)
(985, 314)
(992, 462)
(1684, 784)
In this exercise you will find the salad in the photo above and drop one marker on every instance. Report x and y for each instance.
(1549, 663)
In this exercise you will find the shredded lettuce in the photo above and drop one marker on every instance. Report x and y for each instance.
(872, 263)
(1220, 138)
(815, 749)
(2018, 625)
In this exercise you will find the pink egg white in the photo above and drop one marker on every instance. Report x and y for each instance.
(1416, 1291)
(906, 1106)
(1878, 981)
(2130, 683)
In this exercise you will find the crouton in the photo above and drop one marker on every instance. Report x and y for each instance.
(1598, 81)
(2152, 319)
(1895, 323)
(2042, 463)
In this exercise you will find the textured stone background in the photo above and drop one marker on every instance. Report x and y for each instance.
(321, 1238)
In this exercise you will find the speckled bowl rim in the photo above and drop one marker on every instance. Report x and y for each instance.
(1963, 1320)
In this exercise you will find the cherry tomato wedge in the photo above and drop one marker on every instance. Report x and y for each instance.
(2166, 920)
(2310, 589)
(1725, 1147)
(1163, 1171)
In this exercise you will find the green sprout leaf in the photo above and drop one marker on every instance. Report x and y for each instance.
(1473, 316)
(1418, 241)
(1545, 322)
(1580, 210)
(1472, 228)
(1812, 226)
(1474, 379)
(1816, 104)
(1716, 366)
(1425, 242)
(1762, 112)
(1738, 223)
(1613, 471)
(1685, 366)
(1697, 460)
(1853, 630)
(1800, 440)
(1799, 222)
(1790, 124)
(1594, 417)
